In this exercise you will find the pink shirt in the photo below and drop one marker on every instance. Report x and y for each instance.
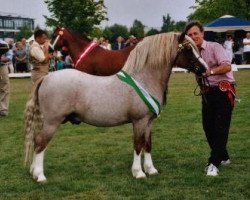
(214, 55)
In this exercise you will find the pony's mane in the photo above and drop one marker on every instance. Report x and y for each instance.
(152, 52)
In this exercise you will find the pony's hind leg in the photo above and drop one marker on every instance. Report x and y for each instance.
(138, 128)
(41, 142)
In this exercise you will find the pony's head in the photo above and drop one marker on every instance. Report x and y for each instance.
(57, 40)
(188, 56)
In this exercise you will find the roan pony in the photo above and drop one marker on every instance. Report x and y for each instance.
(107, 101)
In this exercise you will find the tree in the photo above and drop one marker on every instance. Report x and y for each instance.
(209, 10)
(78, 15)
(152, 31)
(107, 33)
(137, 29)
(117, 30)
(24, 32)
(168, 24)
(179, 26)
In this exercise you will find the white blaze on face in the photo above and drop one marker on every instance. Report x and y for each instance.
(196, 52)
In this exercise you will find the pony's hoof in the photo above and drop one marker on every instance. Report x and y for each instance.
(151, 170)
(138, 174)
(41, 179)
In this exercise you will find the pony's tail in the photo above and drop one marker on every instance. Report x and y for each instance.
(32, 122)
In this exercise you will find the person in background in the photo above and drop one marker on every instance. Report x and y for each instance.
(119, 44)
(131, 41)
(5, 59)
(104, 43)
(228, 45)
(246, 49)
(60, 63)
(217, 98)
(11, 65)
(39, 55)
(68, 62)
(20, 58)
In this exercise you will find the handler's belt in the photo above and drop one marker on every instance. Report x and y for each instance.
(223, 86)
(149, 100)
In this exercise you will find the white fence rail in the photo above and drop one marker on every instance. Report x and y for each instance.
(175, 69)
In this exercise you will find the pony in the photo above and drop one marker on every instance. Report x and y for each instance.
(108, 101)
(87, 55)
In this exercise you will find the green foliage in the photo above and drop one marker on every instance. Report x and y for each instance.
(171, 25)
(116, 30)
(152, 31)
(96, 32)
(168, 24)
(107, 33)
(78, 15)
(209, 10)
(24, 32)
(137, 29)
(86, 162)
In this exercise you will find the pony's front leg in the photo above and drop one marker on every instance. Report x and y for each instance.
(138, 128)
(136, 167)
(148, 163)
(36, 168)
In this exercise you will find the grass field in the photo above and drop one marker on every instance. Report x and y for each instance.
(86, 162)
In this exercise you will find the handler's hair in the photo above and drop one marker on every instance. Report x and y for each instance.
(39, 33)
(193, 23)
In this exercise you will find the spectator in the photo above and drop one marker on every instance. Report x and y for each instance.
(20, 58)
(131, 41)
(60, 63)
(11, 66)
(26, 47)
(4, 82)
(69, 62)
(119, 44)
(246, 49)
(104, 43)
(228, 45)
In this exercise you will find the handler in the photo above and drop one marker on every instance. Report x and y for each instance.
(218, 97)
(39, 55)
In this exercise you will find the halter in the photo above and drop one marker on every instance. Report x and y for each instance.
(60, 34)
(200, 79)
(198, 58)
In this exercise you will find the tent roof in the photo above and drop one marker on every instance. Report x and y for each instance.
(227, 23)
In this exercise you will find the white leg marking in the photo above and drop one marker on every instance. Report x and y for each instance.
(37, 167)
(136, 167)
(148, 164)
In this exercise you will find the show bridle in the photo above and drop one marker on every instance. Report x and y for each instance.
(200, 79)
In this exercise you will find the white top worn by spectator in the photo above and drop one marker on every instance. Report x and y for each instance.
(246, 43)
(228, 45)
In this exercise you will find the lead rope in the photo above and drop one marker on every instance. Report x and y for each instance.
(202, 82)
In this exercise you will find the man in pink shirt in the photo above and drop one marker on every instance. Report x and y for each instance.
(217, 97)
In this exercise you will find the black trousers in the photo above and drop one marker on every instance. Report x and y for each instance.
(216, 118)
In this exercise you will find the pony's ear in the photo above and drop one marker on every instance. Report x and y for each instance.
(181, 37)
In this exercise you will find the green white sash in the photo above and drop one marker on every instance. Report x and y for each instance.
(150, 101)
